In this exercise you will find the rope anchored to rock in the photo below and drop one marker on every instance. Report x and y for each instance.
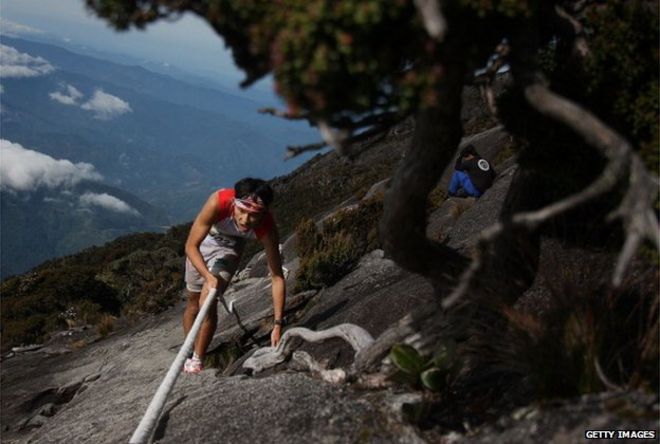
(144, 430)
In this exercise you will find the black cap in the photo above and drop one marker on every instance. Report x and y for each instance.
(470, 149)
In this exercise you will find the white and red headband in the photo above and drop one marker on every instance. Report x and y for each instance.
(251, 204)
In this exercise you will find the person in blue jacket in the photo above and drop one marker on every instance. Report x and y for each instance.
(473, 174)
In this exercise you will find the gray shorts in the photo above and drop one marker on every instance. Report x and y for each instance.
(222, 266)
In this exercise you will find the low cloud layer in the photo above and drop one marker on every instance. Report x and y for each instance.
(106, 106)
(22, 169)
(69, 95)
(107, 202)
(19, 64)
(14, 29)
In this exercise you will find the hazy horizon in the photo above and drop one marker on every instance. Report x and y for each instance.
(187, 44)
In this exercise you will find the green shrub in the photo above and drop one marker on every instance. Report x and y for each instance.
(327, 265)
(436, 198)
(139, 273)
(329, 254)
(589, 336)
(619, 79)
(105, 325)
(307, 238)
(224, 355)
(33, 305)
(87, 312)
(431, 373)
(29, 330)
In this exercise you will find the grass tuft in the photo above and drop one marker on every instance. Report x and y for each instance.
(328, 254)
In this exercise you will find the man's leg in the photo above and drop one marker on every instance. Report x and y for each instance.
(210, 323)
(467, 185)
(455, 183)
(190, 313)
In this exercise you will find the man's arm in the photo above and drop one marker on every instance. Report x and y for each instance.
(459, 163)
(271, 243)
(200, 228)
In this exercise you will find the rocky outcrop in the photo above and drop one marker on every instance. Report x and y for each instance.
(106, 386)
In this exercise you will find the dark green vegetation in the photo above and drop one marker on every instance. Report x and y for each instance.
(586, 338)
(329, 253)
(431, 373)
(585, 331)
(620, 80)
(43, 223)
(133, 275)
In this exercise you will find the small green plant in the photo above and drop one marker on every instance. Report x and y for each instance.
(328, 254)
(88, 313)
(223, 356)
(106, 325)
(588, 337)
(431, 373)
(436, 198)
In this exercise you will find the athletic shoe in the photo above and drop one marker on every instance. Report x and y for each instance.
(193, 366)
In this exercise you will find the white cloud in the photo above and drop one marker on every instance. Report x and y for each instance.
(108, 202)
(106, 106)
(22, 169)
(70, 95)
(19, 64)
(14, 29)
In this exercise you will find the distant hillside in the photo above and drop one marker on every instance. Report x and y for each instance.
(50, 222)
(157, 141)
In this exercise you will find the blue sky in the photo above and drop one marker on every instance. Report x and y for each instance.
(188, 43)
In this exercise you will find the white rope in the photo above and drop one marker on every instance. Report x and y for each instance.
(143, 432)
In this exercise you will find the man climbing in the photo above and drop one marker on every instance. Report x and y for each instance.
(472, 176)
(214, 247)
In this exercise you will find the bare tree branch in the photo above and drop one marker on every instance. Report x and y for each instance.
(434, 21)
(485, 77)
(377, 132)
(303, 359)
(268, 357)
(283, 114)
(296, 150)
(636, 212)
(335, 137)
(381, 119)
(603, 377)
(580, 46)
(365, 359)
(636, 209)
